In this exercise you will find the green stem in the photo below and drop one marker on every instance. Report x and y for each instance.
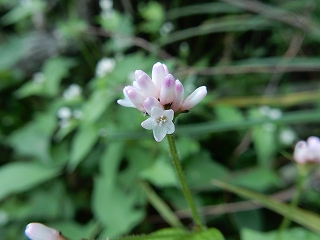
(183, 182)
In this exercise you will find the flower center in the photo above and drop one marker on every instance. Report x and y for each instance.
(161, 120)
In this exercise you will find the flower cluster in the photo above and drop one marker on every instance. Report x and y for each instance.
(307, 151)
(161, 97)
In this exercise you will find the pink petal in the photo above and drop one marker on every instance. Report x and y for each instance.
(158, 74)
(136, 97)
(194, 98)
(167, 91)
(179, 93)
(147, 87)
(150, 103)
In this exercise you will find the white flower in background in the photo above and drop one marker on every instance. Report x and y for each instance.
(166, 28)
(64, 113)
(161, 97)
(38, 231)
(307, 151)
(287, 137)
(106, 5)
(38, 78)
(104, 66)
(275, 113)
(272, 113)
(73, 91)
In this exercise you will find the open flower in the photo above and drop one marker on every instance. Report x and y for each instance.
(160, 122)
(163, 92)
(38, 231)
(307, 151)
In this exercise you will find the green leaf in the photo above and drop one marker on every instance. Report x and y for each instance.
(202, 169)
(289, 234)
(307, 219)
(82, 143)
(264, 140)
(264, 178)
(178, 234)
(114, 206)
(210, 234)
(12, 51)
(21, 176)
(73, 230)
(34, 139)
(153, 13)
(161, 173)
(96, 105)
(228, 113)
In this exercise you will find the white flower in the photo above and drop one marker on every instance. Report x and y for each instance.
(73, 91)
(64, 113)
(38, 78)
(38, 231)
(104, 66)
(307, 151)
(160, 122)
(287, 136)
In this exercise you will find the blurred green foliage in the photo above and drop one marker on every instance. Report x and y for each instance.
(73, 159)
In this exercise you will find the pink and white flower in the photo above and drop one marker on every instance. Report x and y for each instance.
(307, 151)
(162, 92)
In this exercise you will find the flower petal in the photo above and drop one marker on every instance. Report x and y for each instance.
(194, 98)
(169, 114)
(126, 102)
(167, 91)
(38, 231)
(179, 94)
(147, 87)
(159, 133)
(157, 112)
(300, 151)
(158, 74)
(150, 103)
(170, 127)
(136, 97)
(149, 124)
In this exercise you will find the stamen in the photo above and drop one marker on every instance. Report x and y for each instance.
(162, 120)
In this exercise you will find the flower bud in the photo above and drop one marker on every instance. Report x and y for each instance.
(150, 103)
(158, 74)
(136, 97)
(179, 95)
(38, 231)
(194, 98)
(147, 87)
(167, 91)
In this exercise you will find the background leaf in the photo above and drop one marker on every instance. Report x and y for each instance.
(20, 177)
